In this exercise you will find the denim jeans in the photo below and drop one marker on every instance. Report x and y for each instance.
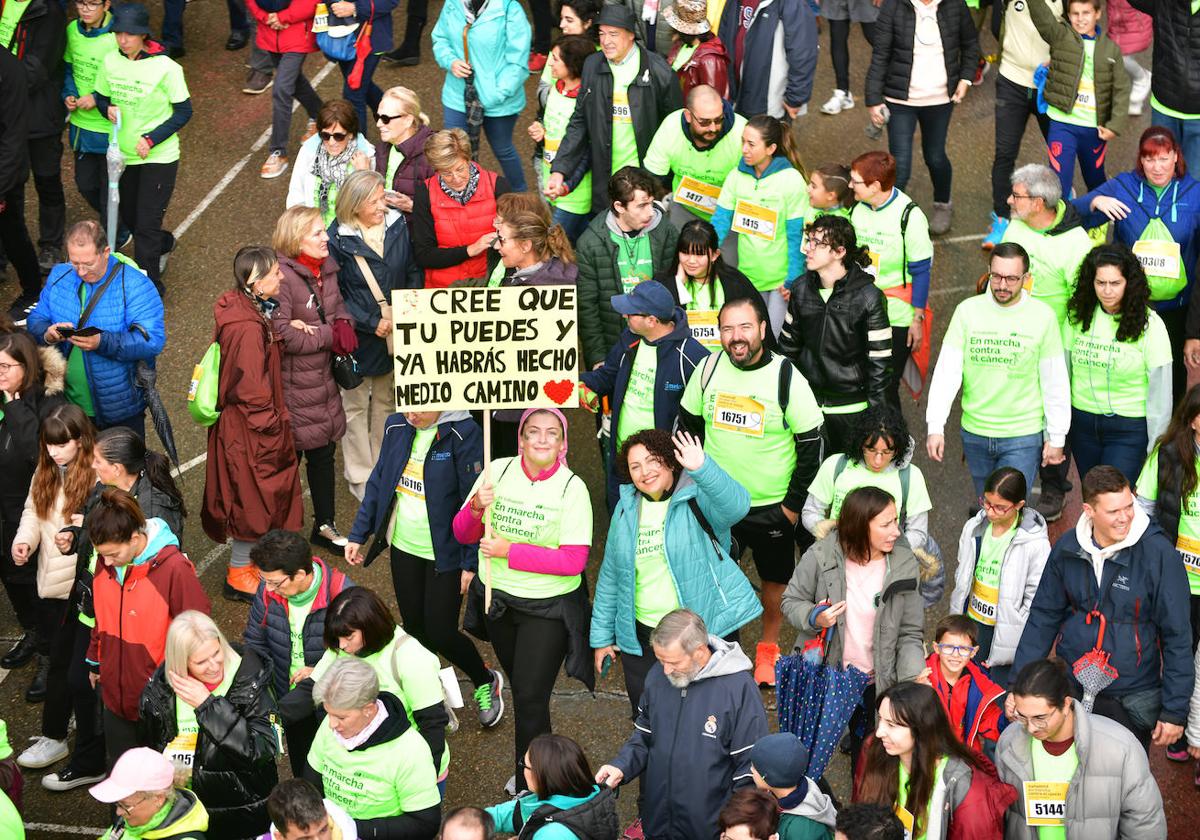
(987, 454)
(368, 93)
(1187, 132)
(574, 224)
(499, 131)
(935, 126)
(1108, 439)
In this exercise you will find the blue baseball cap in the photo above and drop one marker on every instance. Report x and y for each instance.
(647, 298)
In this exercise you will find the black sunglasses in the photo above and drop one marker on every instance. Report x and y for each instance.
(386, 118)
(326, 136)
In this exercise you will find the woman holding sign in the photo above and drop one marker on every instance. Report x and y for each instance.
(211, 712)
(764, 202)
(1119, 356)
(1155, 210)
(1001, 554)
(533, 549)
(1076, 774)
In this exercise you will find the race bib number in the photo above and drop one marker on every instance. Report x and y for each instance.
(1045, 803)
(703, 323)
(321, 19)
(907, 820)
(549, 150)
(1159, 258)
(981, 605)
(1028, 284)
(738, 414)
(697, 195)
(1085, 98)
(182, 750)
(412, 480)
(754, 220)
(1189, 550)
(620, 111)
(873, 269)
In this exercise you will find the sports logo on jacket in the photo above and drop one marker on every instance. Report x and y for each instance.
(710, 726)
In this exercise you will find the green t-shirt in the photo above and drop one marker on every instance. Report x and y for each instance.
(85, 54)
(1002, 350)
(559, 108)
(1083, 112)
(683, 56)
(855, 474)
(902, 793)
(654, 593)
(145, 91)
(878, 229)
(395, 158)
(697, 174)
(1188, 541)
(985, 588)
(182, 748)
(1110, 376)
(1054, 259)
(704, 302)
(1050, 768)
(411, 532)
(553, 512)
(10, 17)
(406, 669)
(637, 407)
(744, 429)
(298, 609)
(1171, 112)
(634, 259)
(395, 777)
(76, 385)
(624, 139)
(761, 209)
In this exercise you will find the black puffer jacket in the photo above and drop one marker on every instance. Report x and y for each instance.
(234, 770)
(39, 41)
(14, 123)
(895, 32)
(842, 347)
(1176, 79)
(653, 94)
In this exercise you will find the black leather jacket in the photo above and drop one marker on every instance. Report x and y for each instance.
(235, 769)
(842, 347)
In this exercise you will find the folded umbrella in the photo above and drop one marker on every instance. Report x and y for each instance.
(1092, 670)
(146, 378)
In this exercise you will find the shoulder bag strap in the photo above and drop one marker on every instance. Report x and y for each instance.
(373, 285)
(316, 297)
(99, 293)
(705, 525)
(908, 208)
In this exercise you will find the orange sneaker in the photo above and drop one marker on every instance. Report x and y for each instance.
(764, 664)
(310, 129)
(274, 166)
(241, 583)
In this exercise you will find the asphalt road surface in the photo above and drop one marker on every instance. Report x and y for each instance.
(221, 204)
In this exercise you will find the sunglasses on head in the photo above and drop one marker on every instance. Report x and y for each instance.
(338, 136)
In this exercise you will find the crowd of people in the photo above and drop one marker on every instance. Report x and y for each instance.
(748, 320)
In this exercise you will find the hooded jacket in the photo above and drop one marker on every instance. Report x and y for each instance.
(890, 73)
(812, 818)
(600, 325)
(1020, 574)
(413, 169)
(551, 272)
(707, 65)
(337, 817)
(706, 579)
(653, 94)
(1055, 254)
(133, 612)
(39, 41)
(1066, 69)
(234, 768)
(131, 319)
(779, 56)
(1176, 62)
(497, 36)
(252, 476)
(452, 464)
(55, 570)
(394, 269)
(678, 355)
(1143, 595)
(560, 817)
(820, 580)
(269, 634)
(1112, 794)
(187, 820)
(972, 705)
(296, 36)
(843, 346)
(691, 746)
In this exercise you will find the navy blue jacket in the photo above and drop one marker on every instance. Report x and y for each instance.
(779, 56)
(269, 634)
(452, 464)
(1145, 604)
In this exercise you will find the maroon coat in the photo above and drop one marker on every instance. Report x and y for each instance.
(252, 478)
(312, 397)
(708, 65)
(413, 169)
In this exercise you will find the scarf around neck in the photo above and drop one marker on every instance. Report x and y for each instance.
(331, 171)
(466, 193)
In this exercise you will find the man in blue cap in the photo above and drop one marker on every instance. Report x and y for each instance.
(779, 764)
(646, 370)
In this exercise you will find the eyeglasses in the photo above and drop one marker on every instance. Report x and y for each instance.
(6, 367)
(882, 453)
(127, 809)
(273, 585)
(1038, 722)
(713, 123)
(326, 136)
(815, 243)
(501, 239)
(956, 650)
(1016, 196)
(1005, 279)
(857, 182)
(387, 118)
(88, 4)
(999, 510)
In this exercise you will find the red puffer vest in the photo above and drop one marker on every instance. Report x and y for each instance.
(458, 225)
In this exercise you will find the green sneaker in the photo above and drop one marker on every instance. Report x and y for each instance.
(490, 699)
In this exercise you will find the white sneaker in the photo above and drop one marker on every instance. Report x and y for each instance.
(1138, 95)
(44, 752)
(842, 100)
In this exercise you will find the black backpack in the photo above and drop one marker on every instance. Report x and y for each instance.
(595, 819)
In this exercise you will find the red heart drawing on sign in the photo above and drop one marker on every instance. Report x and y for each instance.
(559, 391)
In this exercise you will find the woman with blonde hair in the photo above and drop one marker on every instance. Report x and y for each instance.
(533, 252)
(453, 212)
(312, 322)
(209, 710)
(370, 242)
(400, 158)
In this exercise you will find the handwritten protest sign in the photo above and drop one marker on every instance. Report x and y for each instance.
(485, 348)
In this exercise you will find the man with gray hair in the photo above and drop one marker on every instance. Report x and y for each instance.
(1052, 234)
(699, 716)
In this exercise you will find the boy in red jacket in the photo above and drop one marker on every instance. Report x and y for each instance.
(970, 698)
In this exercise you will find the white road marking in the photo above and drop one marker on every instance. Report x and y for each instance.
(966, 237)
(187, 465)
(64, 829)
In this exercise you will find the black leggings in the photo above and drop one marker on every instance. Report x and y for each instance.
(542, 647)
(839, 48)
(318, 464)
(429, 605)
(68, 689)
